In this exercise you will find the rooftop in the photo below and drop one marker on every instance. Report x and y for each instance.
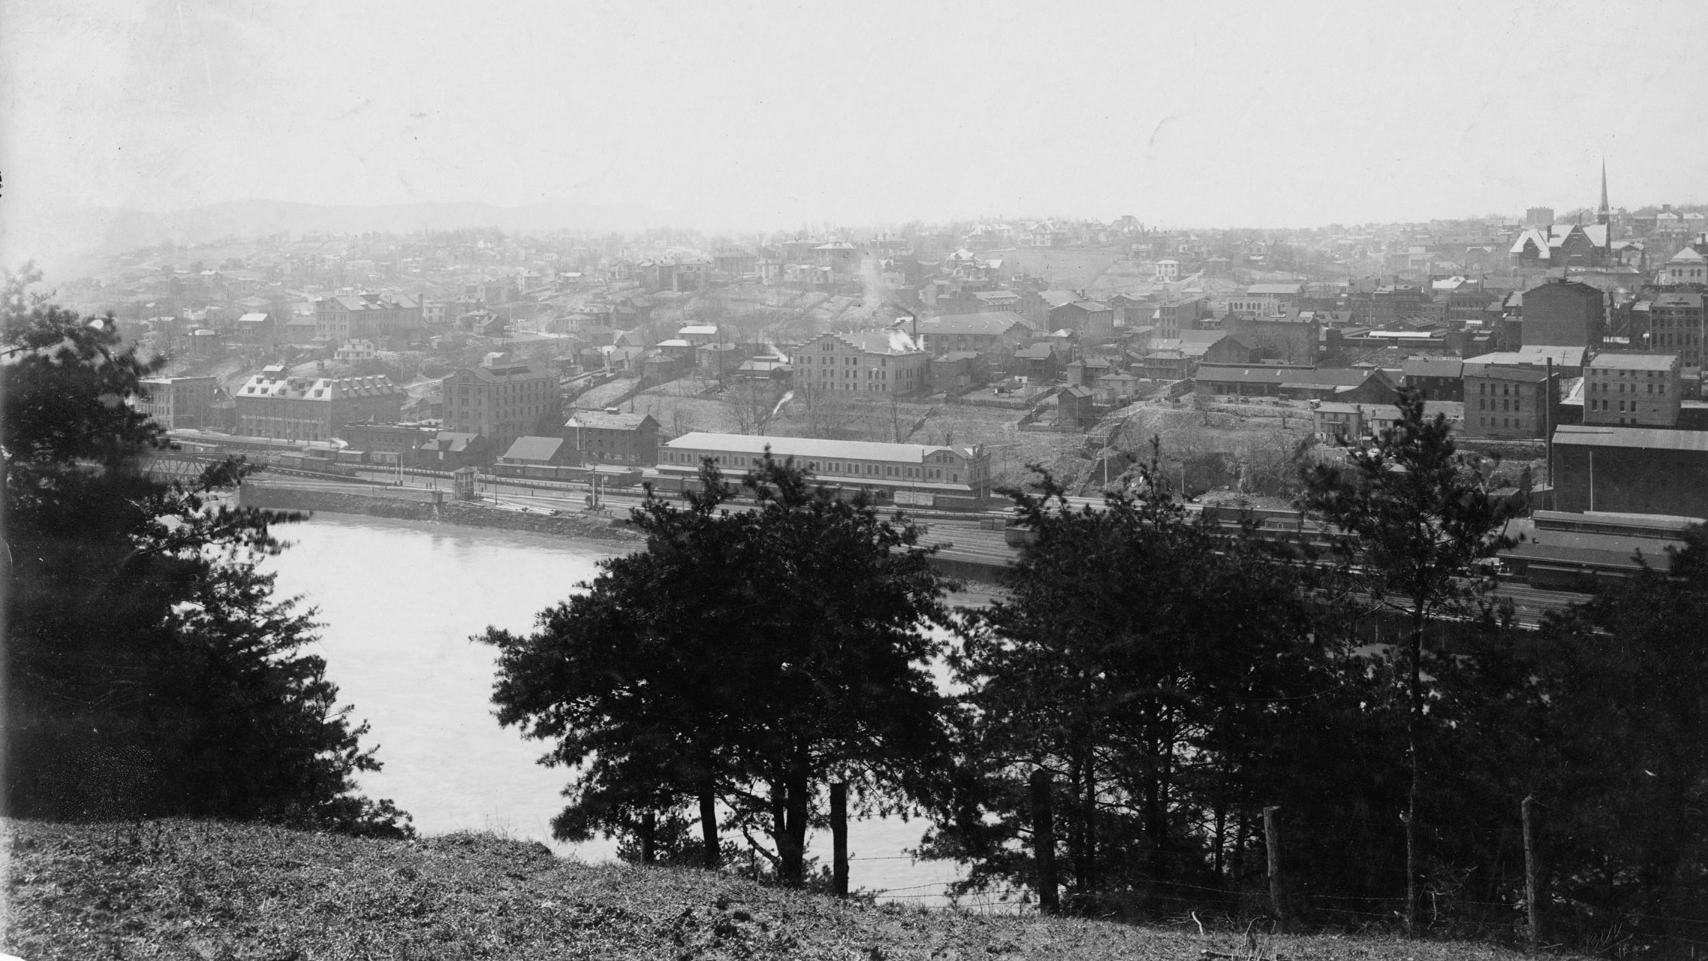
(604, 420)
(1639, 438)
(534, 448)
(1634, 362)
(984, 322)
(809, 448)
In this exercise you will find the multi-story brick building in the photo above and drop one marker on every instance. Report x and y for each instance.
(502, 400)
(384, 318)
(177, 403)
(1266, 300)
(1563, 313)
(1677, 326)
(273, 404)
(612, 437)
(1505, 402)
(1686, 267)
(1292, 339)
(1640, 390)
(1094, 321)
(1177, 315)
(866, 362)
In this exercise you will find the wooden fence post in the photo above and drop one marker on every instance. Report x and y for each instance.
(1044, 842)
(839, 836)
(1533, 937)
(1272, 841)
(648, 837)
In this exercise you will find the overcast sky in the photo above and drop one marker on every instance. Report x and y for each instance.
(775, 114)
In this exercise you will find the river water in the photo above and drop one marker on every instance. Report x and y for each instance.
(397, 603)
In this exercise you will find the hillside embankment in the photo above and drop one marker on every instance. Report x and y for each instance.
(401, 504)
(211, 890)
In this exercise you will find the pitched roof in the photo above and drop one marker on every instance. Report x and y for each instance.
(1433, 367)
(890, 342)
(984, 322)
(538, 449)
(603, 420)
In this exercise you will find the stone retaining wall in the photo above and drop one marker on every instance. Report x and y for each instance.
(468, 515)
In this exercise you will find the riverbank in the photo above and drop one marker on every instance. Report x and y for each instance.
(395, 505)
(197, 889)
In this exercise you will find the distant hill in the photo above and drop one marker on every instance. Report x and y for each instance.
(91, 232)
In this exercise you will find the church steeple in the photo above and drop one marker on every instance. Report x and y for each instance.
(1603, 214)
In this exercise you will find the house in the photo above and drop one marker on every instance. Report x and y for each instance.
(449, 450)
(1167, 270)
(1076, 406)
(956, 372)
(258, 328)
(718, 360)
(875, 362)
(612, 437)
(1336, 423)
(1637, 390)
(1039, 363)
(1086, 373)
(1118, 387)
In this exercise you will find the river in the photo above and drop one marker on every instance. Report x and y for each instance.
(398, 601)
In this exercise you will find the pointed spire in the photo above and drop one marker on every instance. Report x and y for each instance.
(1603, 213)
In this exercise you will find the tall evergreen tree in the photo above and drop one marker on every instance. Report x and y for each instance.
(1628, 809)
(753, 654)
(149, 670)
(1416, 517)
(1143, 658)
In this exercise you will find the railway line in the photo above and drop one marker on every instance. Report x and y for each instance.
(965, 540)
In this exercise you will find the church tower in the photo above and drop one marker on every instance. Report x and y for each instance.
(1604, 214)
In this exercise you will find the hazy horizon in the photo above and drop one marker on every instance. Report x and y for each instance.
(766, 116)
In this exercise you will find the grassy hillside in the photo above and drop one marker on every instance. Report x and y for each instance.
(182, 889)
